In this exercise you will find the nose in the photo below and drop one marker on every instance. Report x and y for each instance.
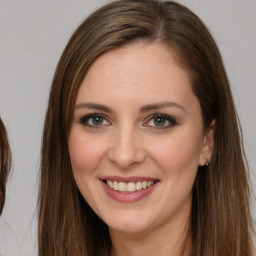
(126, 150)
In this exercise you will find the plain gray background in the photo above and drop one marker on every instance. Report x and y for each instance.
(32, 37)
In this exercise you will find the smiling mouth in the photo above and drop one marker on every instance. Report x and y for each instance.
(129, 187)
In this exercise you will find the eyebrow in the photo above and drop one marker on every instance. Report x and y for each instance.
(93, 106)
(149, 107)
(143, 109)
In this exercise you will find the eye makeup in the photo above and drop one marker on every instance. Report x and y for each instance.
(154, 121)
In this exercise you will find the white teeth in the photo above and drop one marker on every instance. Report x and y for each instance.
(130, 186)
(115, 185)
(122, 187)
(110, 183)
(144, 184)
(139, 185)
(150, 183)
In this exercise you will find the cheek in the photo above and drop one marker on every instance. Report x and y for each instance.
(85, 154)
(178, 153)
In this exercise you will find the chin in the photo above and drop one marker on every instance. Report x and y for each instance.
(128, 228)
(129, 223)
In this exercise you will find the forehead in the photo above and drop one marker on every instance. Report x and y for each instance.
(138, 71)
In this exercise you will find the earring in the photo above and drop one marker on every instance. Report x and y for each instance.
(206, 161)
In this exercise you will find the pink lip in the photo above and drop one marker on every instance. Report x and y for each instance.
(128, 197)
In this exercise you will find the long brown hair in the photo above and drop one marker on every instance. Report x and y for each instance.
(5, 163)
(220, 219)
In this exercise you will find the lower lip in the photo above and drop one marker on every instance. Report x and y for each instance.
(128, 197)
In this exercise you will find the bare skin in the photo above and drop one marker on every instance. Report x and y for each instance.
(136, 118)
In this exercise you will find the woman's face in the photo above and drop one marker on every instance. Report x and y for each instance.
(137, 139)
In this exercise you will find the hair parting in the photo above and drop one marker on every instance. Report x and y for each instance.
(221, 222)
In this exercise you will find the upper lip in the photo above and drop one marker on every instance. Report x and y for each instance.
(128, 179)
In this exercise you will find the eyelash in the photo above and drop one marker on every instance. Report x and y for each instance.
(171, 120)
(85, 120)
(166, 118)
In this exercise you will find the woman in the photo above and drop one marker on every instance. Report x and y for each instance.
(141, 149)
(4, 164)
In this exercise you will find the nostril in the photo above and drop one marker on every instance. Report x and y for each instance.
(126, 156)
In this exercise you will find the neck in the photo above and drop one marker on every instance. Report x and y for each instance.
(169, 239)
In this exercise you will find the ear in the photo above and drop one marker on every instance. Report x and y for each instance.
(207, 145)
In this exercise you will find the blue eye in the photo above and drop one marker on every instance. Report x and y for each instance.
(161, 121)
(94, 120)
